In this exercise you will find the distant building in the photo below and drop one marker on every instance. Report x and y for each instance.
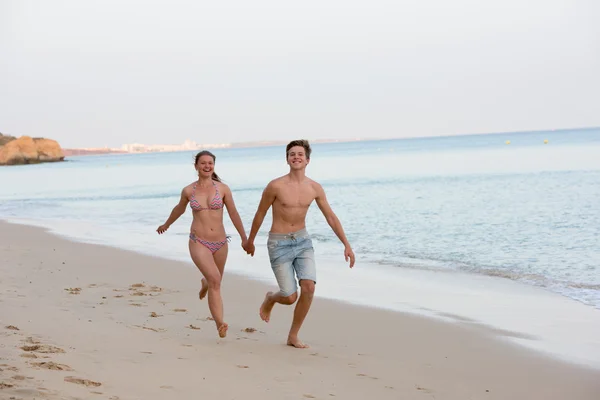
(186, 145)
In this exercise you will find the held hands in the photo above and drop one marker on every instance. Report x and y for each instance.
(248, 246)
(162, 229)
(349, 255)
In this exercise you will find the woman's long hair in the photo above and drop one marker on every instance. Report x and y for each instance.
(208, 153)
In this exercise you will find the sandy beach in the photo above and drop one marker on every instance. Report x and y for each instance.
(82, 321)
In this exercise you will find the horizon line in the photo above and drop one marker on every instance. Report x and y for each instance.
(346, 140)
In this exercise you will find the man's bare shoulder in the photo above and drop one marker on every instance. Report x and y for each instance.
(315, 185)
(277, 182)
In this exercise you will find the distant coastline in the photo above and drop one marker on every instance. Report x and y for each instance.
(189, 145)
(144, 149)
(90, 152)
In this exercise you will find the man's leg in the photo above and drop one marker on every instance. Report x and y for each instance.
(275, 297)
(284, 273)
(307, 291)
(305, 268)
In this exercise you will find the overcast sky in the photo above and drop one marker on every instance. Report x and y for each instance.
(96, 73)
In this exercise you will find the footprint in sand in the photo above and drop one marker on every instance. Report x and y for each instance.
(52, 366)
(80, 381)
(193, 327)
(249, 330)
(243, 366)
(246, 338)
(12, 328)
(28, 355)
(42, 348)
(119, 296)
(8, 368)
(367, 376)
(154, 315)
(309, 396)
(422, 389)
(5, 385)
(150, 329)
(180, 310)
(73, 290)
(140, 288)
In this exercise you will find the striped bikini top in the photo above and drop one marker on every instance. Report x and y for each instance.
(215, 204)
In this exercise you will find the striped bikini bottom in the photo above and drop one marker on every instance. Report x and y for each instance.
(212, 246)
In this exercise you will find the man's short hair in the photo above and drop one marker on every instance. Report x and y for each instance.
(303, 143)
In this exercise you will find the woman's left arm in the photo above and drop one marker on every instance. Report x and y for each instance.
(233, 213)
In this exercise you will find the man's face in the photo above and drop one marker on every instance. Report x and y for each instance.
(296, 158)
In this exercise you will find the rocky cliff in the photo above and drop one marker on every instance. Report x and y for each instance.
(5, 139)
(26, 150)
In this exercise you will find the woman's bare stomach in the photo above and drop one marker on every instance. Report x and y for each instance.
(208, 228)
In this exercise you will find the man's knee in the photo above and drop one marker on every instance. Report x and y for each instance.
(307, 286)
(291, 299)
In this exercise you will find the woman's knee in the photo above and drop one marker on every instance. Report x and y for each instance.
(214, 281)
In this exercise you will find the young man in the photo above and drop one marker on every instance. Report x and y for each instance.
(289, 244)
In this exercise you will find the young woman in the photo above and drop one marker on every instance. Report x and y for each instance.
(208, 241)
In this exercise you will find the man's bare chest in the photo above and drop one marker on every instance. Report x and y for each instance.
(296, 198)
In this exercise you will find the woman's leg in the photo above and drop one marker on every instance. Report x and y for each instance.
(205, 262)
(220, 257)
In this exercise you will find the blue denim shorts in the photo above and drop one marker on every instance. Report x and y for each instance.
(291, 253)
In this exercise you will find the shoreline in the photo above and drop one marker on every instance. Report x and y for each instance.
(529, 316)
(86, 312)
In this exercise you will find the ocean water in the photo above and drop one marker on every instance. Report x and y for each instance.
(527, 211)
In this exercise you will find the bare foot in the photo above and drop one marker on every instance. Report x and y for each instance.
(266, 307)
(223, 330)
(295, 342)
(204, 289)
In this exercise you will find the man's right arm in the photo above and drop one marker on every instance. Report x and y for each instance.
(267, 199)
